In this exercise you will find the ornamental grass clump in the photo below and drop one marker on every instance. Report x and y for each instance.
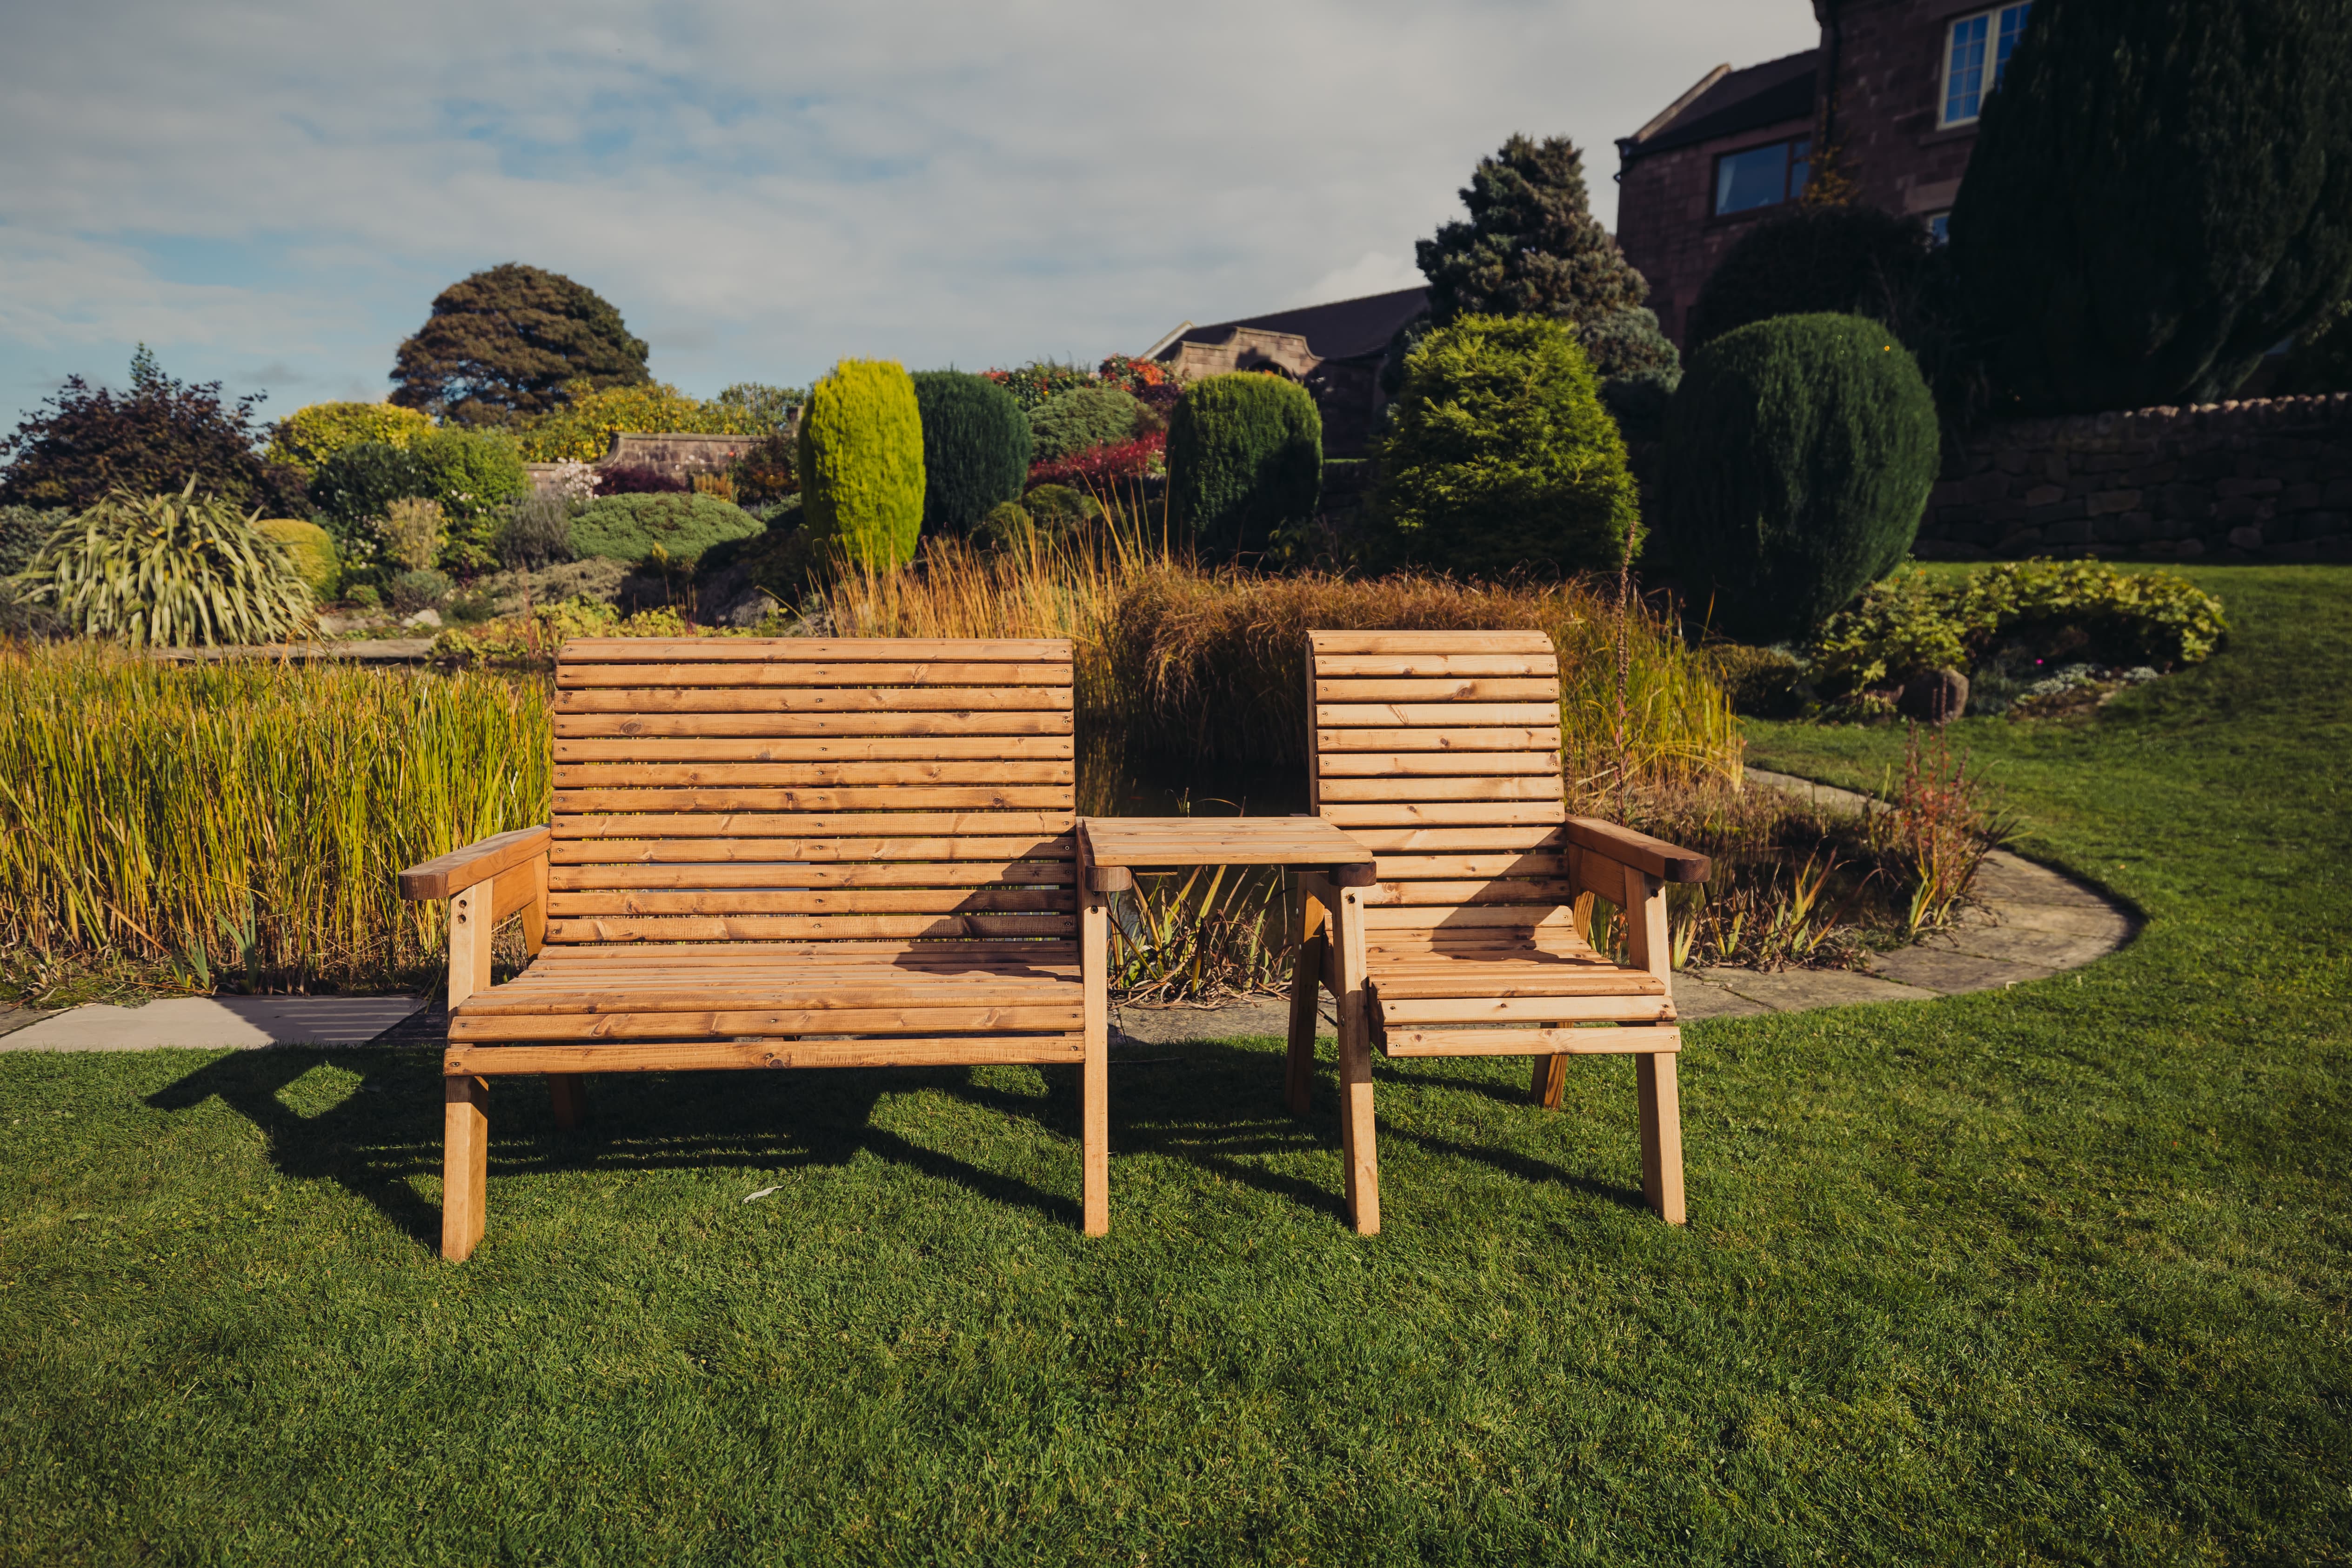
(171, 571)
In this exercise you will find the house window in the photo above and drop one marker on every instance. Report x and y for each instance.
(1762, 176)
(1976, 52)
(1939, 229)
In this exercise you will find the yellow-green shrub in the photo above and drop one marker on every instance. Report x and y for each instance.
(862, 463)
(582, 431)
(309, 436)
(311, 551)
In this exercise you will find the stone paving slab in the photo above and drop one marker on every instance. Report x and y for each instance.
(204, 1023)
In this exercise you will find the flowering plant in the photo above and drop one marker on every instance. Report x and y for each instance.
(1130, 374)
(1032, 383)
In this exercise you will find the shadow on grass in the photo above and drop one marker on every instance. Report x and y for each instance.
(1215, 1107)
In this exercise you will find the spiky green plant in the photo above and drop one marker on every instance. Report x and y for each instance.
(170, 570)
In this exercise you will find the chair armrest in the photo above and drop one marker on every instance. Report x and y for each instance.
(1653, 857)
(444, 876)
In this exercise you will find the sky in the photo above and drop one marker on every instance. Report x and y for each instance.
(271, 194)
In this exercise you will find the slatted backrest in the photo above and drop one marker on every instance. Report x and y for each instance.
(1439, 752)
(876, 791)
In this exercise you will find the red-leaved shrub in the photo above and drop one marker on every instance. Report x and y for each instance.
(1101, 465)
(637, 479)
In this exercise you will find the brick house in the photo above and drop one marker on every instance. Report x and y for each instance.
(1893, 91)
(1334, 351)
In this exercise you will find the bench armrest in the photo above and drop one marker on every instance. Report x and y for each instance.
(444, 876)
(1652, 857)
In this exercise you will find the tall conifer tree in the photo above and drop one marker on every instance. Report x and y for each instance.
(1531, 245)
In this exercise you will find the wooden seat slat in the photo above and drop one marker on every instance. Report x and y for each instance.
(1448, 787)
(702, 1055)
(806, 775)
(785, 874)
(782, 927)
(857, 900)
(899, 701)
(1426, 666)
(574, 676)
(644, 749)
(1478, 737)
(847, 726)
(1532, 891)
(1406, 839)
(1443, 689)
(1005, 955)
(1594, 1007)
(1444, 813)
(1623, 1041)
(1341, 765)
(1405, 868)
(727, 1024)
(816, 650)
(882, 798)
(569, 826)
(1424, 642)
(1434, 715)
(716, 852)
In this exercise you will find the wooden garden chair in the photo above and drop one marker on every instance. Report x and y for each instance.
(784, 853)
(1439, 752)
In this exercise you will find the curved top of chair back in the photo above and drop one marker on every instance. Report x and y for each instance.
(876, 790)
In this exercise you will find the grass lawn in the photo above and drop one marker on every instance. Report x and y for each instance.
(2056, 1274)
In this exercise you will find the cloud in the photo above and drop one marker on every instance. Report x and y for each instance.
(763, 189)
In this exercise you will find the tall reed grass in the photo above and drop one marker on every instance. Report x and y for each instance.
(1175, 661)
(249, 819)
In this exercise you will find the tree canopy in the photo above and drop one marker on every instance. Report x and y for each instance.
(505, 343)
(1531, 245)
(2160, 192)
(150, 440)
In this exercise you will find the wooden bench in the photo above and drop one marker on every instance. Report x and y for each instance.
(782, 852)
(1439, 752)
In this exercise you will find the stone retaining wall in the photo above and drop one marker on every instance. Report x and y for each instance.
(2263, 480)
(681, 455)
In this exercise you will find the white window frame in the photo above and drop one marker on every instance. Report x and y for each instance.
(1991, 16)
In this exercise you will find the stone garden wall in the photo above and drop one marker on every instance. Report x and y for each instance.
(2266, 480)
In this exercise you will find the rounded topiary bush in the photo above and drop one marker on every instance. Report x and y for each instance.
(632, 527)
(311, 551)
(1853, 260)
(976, 449)
(1500, 455)
(1800, 452)
(862, 479)
(1080, 419)
(1244, 458)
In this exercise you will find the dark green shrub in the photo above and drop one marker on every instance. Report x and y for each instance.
(976, 449)
(23, 529)
(680, 528)
(1007, 525)
(357, 486)
(1079, 421)
(781, 558)
(2321, 359)
(861, 464)
(1852, 260)
(1060, 510)
(1800, 452)
(1244, 458)
(1500, 455)
(2158, 193)
(414, 591)
(1625, 343)
(476, 475)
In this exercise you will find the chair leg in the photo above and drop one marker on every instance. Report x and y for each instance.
(1661, 1133)
(1094, 1133)
(1305, 986)
(1549, 1087)
(465, 1164)
(569, 1092)
(1357, 1142)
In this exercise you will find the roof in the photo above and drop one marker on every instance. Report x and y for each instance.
(1340, 330)
(1726, 102)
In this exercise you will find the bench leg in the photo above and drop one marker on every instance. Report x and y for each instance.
(1661, 1133)
(1359, 1148)
(569, 1092)
(1094, 1132)
(1305, 986)
(465, 1164)
(1549, 1087)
